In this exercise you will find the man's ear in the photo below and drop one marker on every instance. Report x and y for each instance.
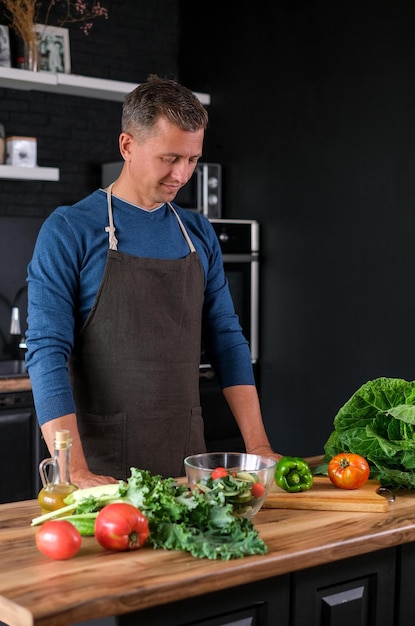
(125, 144)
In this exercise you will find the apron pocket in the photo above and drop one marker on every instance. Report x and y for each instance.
(104, 440)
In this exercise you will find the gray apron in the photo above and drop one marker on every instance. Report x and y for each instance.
(135, 364)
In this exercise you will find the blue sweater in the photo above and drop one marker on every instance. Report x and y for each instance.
(65, 273)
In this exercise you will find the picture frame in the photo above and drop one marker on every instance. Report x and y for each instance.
(5, 54)
(54, 50)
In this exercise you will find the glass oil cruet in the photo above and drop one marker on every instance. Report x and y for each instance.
(55, 474)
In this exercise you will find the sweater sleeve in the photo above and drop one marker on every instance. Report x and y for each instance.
(225, 344)
(52, 288)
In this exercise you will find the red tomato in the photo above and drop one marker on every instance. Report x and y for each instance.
(348, 471)
(219, 472)
(58, 539)
(121, 526)
(257, 490)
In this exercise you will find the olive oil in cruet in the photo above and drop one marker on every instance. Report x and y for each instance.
(55, 474)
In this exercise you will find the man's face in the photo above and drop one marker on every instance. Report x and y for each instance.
(159, 165)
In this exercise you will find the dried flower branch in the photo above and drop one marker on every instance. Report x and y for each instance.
(24, 14)
(77, 11)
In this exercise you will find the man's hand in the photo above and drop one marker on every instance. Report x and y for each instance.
(265, 451)
(81, 476)
(84, 478)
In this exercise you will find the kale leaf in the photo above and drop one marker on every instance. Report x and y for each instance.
(202, 524)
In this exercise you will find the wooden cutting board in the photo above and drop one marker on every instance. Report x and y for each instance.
(324, 496)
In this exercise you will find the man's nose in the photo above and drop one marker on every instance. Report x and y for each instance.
(182, 171)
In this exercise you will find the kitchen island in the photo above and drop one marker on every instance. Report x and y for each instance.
(322, 567)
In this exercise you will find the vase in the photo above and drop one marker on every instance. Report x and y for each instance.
(31, 55)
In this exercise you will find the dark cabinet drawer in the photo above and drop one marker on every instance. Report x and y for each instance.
(17, 455)
(405, 600)
(263, 603)
(358, 590)
(21, 448)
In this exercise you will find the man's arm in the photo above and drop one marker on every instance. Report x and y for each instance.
(243, 401)
(81, 476)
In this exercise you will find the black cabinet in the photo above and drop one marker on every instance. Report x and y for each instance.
(262, 603)
(405, 598)
(21, 447)
(362, 590)
(358, 591)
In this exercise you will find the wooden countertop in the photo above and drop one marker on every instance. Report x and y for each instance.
(35, 590)
(18, 383)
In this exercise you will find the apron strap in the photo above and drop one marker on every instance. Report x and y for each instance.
(113, 241)
(184, 231)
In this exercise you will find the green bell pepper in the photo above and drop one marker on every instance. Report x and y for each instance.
(293, 474)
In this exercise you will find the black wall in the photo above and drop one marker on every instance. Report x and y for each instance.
(312, 116)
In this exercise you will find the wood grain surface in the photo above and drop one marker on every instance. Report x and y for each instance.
(15, 384)
(36, 591)
(324, 496)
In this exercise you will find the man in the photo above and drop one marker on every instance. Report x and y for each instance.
(121, 286)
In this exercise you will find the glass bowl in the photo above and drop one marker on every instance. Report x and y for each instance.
(244, 479)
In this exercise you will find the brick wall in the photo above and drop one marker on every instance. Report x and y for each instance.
(77, 134)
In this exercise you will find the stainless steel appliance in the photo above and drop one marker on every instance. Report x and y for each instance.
(239, 241)
(202, 193)
(240, 245)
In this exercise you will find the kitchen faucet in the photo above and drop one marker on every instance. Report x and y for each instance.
(8, 304)
(14, 341)
(15, 328)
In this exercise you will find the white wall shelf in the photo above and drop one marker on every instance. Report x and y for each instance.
(14, 172)
(65, 84)
(71, 84)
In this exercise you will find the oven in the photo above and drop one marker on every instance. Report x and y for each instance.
(240, 245)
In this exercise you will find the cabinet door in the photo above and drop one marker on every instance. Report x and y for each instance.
(18, 459)
(358, 591)
(405, 600)
(263, 603)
